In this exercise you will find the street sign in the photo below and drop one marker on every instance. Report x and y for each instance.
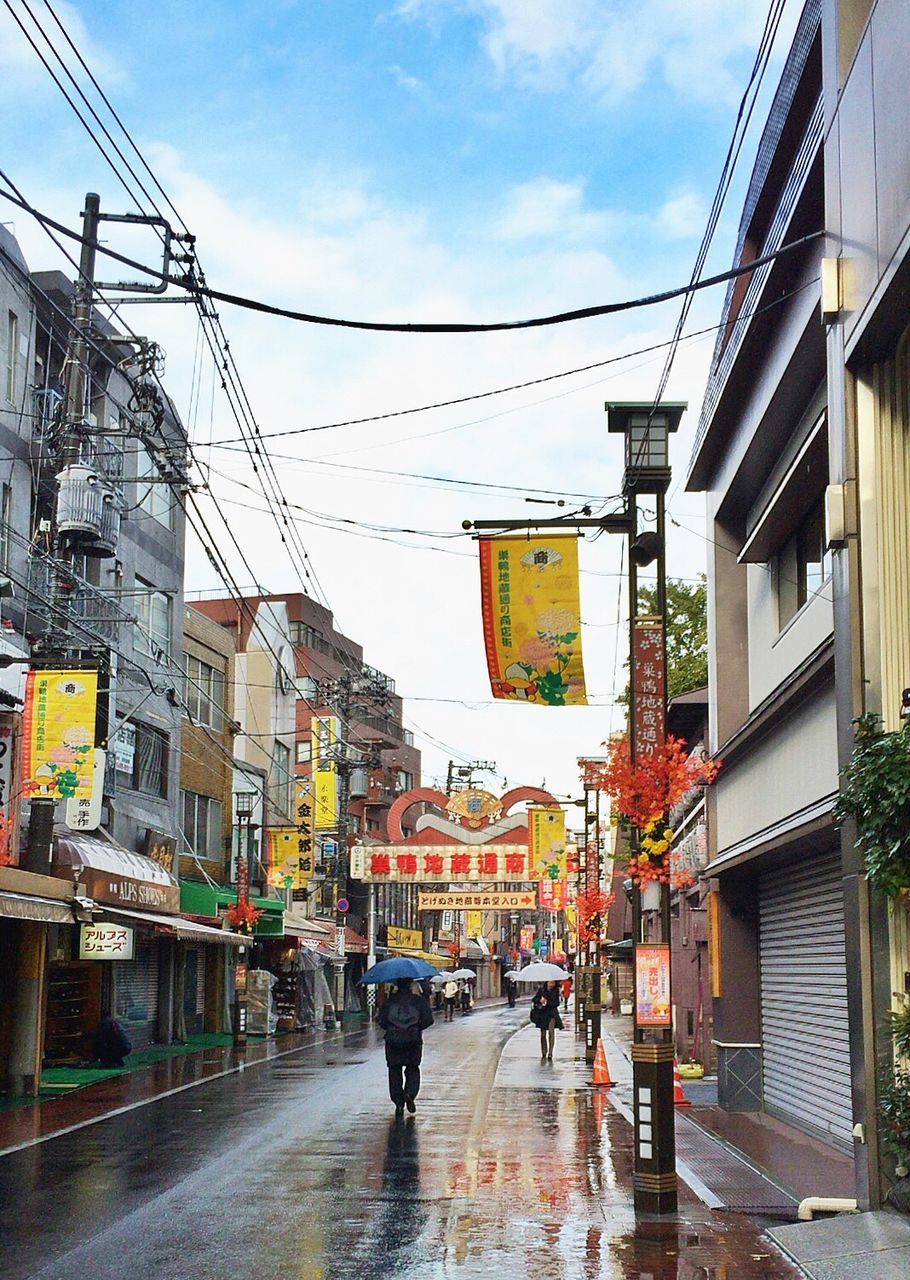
(342, 905)
(340, 940)
(544, 948)
(329, 848)
(482, 900)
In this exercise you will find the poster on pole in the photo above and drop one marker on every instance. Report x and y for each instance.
(649, 688)
(552, 895)
(547, 838)
(532, 619)
(58, 734)
(652, 986)
(324, 737)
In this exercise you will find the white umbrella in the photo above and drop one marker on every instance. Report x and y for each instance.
(440, 978)
(464, 974)
(540, 971)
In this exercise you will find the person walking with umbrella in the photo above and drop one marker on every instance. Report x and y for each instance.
(545, 1016)
(404, 1017)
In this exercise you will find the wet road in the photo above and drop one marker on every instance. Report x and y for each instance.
(297, 1168)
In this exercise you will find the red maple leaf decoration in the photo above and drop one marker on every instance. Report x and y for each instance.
(646, 791)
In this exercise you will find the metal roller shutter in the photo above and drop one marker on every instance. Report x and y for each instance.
(805, 1030)
(136, 998)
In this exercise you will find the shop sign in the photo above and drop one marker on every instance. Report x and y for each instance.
(649, 701)
(290, 857)
(6, 759)
(58, 733)
(410, 939)
(474, 927)
(105, 942)
(125, 891)
(547, 830)
(480, 901)
(526, 938)
(324, 737)
(652, 985)
(552, 895)
(441, 864)
(340, 940)
(161, 849)
(83, 813)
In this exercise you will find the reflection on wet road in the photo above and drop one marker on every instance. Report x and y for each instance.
(299, 1169)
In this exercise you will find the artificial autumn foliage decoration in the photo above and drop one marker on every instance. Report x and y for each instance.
(876, 794)
(243, 916)
(592, 906)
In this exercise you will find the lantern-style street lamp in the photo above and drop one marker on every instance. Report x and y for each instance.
(243, 808)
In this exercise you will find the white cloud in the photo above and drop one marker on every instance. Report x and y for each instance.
(545, 207)
(681, 216)
(20, 67)
(411, 83)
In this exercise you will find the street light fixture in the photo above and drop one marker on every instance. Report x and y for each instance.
(243, 808)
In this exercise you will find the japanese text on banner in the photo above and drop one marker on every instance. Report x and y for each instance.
(547, 827)
(59, 733)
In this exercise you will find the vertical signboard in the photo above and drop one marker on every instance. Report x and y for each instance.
(58, 738)
(552, 895)
(324, 737)
(649, 701)
(652, 986)
(547, 830)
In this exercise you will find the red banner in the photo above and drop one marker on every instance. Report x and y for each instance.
(552, 895)
(649, 687)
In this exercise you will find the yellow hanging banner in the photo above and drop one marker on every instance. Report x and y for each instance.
(58, 733)
(324, 736)
(532, 619)
(547, 828)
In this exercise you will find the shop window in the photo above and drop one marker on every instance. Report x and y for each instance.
(202, 817)
(280, 780)
(205, 693)
(141, 758)
(12, 354)
(802, 566)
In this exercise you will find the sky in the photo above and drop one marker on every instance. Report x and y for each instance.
(417, 160)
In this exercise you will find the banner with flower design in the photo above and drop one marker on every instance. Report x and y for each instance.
(59, 733)
(532, 619)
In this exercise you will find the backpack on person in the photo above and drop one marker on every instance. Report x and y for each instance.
(402, 1024)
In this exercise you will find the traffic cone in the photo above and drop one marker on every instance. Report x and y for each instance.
(601, 1070)
(679, 1098)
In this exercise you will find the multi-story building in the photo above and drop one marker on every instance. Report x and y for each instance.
(803, 451)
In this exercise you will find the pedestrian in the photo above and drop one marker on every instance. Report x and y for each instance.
(404, 1017)
(566, 992)
(111, 1043)
(466, 1001)
(545, 1016)
(449, 996)
(510, 993)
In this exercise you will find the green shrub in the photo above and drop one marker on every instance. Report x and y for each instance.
(876, 794)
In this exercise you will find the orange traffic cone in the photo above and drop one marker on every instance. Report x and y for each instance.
(601, 1070)
(679, 1098)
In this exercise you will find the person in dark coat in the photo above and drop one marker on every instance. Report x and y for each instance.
(404, 1017)
(545, 1016)
(111, 1043)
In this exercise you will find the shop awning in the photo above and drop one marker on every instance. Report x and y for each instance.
(437, 961)
(198, 899)
(110, 873)
(177, 927)
(23, 906)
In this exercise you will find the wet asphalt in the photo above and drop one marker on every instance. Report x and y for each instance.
(297, 1168)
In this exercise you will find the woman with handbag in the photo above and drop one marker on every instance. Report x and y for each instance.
(545, 1016)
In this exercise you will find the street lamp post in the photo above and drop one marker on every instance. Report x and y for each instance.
(244, 811)
(646, 429)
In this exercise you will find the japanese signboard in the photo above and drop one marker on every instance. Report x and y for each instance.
(552, 895)
(474, 924)
(547, 828)
(83, 813)
(649, 702)
(105, 942)
(6, 757)
(482, 900)
(324, 739)
(531, 619)
(161, 849)
(411, 939)
(58, 738)
(652, 985)
(526, 938)
(441, 864)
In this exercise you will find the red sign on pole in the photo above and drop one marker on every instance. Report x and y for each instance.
(649, 687)
(243, 880)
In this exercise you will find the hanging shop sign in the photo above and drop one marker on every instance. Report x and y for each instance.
(305, 816)
(547, 830)
(474, 924)
(105, 942)
(404, 939)
(532, 619)
(83, 813)
(161, 849)
(6, 759)
(552, 895)
(526, 937)
(440, 864)
(482, 900)
(290, 857)
(324, 738)
(58, 738)
(652, 985)
(649, 686)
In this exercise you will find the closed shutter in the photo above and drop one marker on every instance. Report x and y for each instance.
(805, 1031)
(136, 999)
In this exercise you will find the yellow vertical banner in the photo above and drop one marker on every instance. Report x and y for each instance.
(305, 816)
(532, 619)
(474, 923)
(324, 736)
(58, 736)
(547, 830)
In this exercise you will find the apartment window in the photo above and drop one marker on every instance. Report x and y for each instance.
(304, 752)
(156, 497)
(306, 689)
(202, 825)
(802, 566)
(303, 633)
(154, 621)
(205, 693)
(404, 781)
(12, 355)
(141, 758)
(281, 777)
(5, 515)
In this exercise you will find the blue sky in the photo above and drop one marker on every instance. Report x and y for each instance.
(428, 159)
